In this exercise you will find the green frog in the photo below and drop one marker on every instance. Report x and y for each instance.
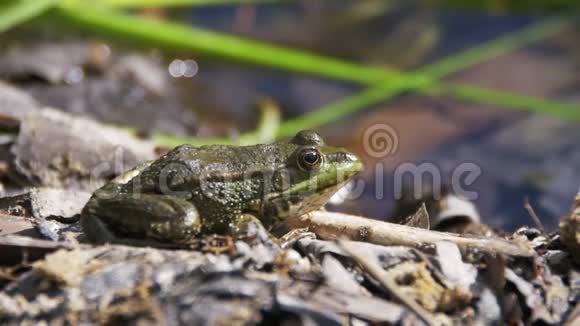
(217, 189)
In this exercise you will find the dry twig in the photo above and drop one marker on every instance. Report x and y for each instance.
(534, 216)
(328, 225)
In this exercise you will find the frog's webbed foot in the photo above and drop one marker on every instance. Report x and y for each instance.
(289, 239)
(250, 227)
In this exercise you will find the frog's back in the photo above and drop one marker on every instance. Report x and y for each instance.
(214, 159)
(185, 163)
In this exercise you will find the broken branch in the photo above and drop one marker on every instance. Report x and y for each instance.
(328, 225)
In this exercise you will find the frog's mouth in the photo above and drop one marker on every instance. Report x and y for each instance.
(285, 205)
(313, 193)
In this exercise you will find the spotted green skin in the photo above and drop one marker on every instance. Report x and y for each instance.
(212, 189)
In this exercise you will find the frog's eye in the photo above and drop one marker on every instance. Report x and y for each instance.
(309, 159)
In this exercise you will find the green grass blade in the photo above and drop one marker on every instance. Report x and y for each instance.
(385, 91)
(264, 133)
(351, 104)
(331, 112)
(216, 44)
(256, 52)
(336, 110)
(494, 48)
(18, 12)
(176, 3)
(387, 84)
(267, 126)
(426, 80)
(507, 100)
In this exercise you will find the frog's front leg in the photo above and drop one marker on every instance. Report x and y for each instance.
(249, 225)
(139, 219)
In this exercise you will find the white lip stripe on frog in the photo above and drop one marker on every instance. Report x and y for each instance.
(310, 203)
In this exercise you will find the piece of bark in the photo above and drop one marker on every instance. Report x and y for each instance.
(55, 149)
(452, 266)
(17, 249)
(330, 306)
(420, 219)
(376, 271)
(53, 211)
(16, 103)
(51, 62)
(17, 225)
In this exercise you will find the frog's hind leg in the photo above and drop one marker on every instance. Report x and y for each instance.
(95, 231)
(140, 219)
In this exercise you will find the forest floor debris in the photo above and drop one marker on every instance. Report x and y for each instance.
(321, 281)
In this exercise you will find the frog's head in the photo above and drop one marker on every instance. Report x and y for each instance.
(313, 172)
